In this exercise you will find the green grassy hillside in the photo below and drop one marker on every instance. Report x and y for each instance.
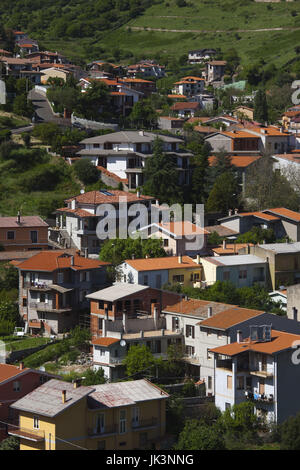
(222, 24)
(89, 29)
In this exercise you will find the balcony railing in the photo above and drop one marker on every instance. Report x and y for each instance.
(43, 306)
(24, 433)
(144, 423)
(259, 397)
(94, 432)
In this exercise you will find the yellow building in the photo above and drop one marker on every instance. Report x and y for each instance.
(116, 416)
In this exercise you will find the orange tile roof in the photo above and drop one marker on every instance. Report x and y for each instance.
(231, 248)
(106, 341)
(168, 262)
(240, 161)
(183, 228)
(286, 213)
(205, 129)
(185, 105)
(197, 307)
(198, 119)
(261, 215)
(136, 80)
(51, 260)
(96, 197)
(280, 341)
(238, 134)
(270, 130)
(176, 96)
(78, 212)
(8, 371)
(193, 78)
(230, 317)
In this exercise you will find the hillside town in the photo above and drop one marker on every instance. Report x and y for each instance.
(149, 254)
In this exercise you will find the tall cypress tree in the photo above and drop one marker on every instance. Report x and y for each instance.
(260, 107)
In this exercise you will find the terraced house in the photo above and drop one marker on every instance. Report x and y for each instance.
(52, 289)
(125, 153)
(117, 416)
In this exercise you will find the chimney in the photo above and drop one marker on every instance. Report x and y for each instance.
(224, 244)
(132, 256)
(239, 336)
(230, 212)
(209, 312)
(86, 252)
(141, 133)
(76, 383)
(21, 365)
(198, 259)
(19, 217)
(180, 259)
(236, 211)
(63, 396)
(104, 327)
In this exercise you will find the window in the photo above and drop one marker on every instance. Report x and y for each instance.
(190, 350)
(166, 242)
(122, 421)
(100, 423)
(175, 323)
(34, 236)
(227, 406)
(36, 422)
(178, 278)
(195, 277)
(226, 275)
(229, 382)
(145, 282)
(100, 305)
(16, 386)
(190, 331)
(135, 416)
(209, 382)
(24, 302)
(60, 278)
(240, 383)
(243, 274)
(10, 235)
(100, 323)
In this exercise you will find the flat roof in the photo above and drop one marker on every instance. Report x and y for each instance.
(117, 291)
(282, 247)
(234, 260)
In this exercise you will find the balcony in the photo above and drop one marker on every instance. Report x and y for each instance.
(105, 431)
(48, 307)
(264, 373)
(259, 397)
(144, 424)
(37, 286)
(28, 434)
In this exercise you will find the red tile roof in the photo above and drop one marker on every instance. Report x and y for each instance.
(286, 213)
(8, 372)
(106, 341)
(185, 105)
(52, 260)
(168, 262)
(240, 161)
(280, 341)
(230, 317)
(97, 197)
(25, 221)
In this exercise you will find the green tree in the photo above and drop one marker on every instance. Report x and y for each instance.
(143, 114)
(116, 250)
(289, 433)
(22, 106)
(139, 362)
(224, 194)
(11, 443)
(86, 171)
(161, 175)
(260, 107)
(196, 435)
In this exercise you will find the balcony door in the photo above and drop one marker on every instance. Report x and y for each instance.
(135, 416)
(100, 423)
(261, 387)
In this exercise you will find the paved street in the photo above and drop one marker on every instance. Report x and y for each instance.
(43, 110)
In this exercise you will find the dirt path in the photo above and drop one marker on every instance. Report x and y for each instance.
(230, 31)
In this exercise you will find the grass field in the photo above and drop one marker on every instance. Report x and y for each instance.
(210, 16)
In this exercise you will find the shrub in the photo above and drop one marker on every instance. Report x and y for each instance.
(86, 171)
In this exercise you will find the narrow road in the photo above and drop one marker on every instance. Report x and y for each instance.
(20, 130)
(43, 110)
(229, 31)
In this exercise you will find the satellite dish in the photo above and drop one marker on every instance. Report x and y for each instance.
(42, 369)
(122, 343)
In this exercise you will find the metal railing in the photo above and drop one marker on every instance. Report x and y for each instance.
(111, 429)
(144, 423)
(25, 433)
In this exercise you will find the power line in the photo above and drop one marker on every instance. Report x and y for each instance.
(56, 438)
